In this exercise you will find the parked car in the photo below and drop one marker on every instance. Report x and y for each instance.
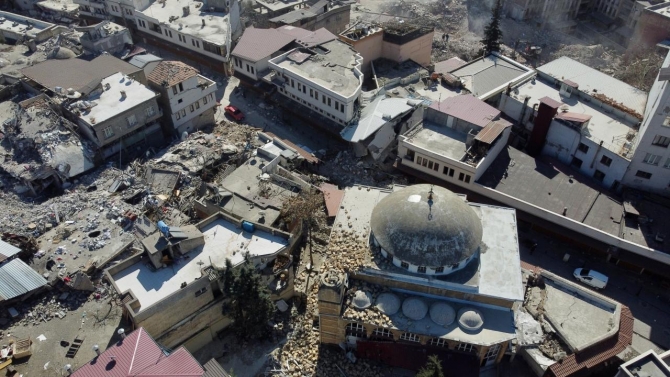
(234, 112)
(590, 277)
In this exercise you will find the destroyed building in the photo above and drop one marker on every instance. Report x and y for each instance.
(273, 8)
(187, 97)
(105, 36)
(181, 269)
(334, 16)
(15, 28)
(443, 279)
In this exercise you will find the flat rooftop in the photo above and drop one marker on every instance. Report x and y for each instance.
(214, 30)
(592, 82)
(602, 126)
(335, 68)
(649, 364)
(495, 273)
(18, 24)
(110, 102)
(223, 240)
(276, 5)
(498, 324)
(662, 9)
(439, 139)
(489, 73)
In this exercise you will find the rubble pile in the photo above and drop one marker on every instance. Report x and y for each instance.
(346, 170)
(369, 315)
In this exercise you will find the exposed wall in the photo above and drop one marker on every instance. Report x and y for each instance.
(651, 28)
(193, 105)
(498, 146)
(418, 50)
(119, 124)
(369, 47)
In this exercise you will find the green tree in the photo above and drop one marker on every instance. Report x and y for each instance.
(492, 32)
(305, 208)
(433, 368)
(249, 306)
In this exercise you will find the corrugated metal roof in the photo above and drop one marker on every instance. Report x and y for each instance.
(486, 74)
(333, 197)
(7, 250)
(551, 102)
(17, 278)
(140, 61)
(468, 108)
(257, 44)
(449, 65)
(180, 363)
(214, 369)
(492, 130)
(372, 117)
(590, 79)
(316, 38)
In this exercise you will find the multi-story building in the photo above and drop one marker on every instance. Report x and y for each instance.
(186, 95)
(652, 25)
(105, 36)
(16, 28)
(334, 16)
(119, 114)
(650, 165)
(326, 78)
(544, 12)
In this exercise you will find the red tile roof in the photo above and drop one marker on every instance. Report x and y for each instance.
(573, 117)
(468, 108)
(139, 355)
(333, 197)
(169, 73)
(257, 44)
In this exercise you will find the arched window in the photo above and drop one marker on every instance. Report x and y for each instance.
(409, 337)
(381, 333)
(466, 347)
(355, 329)
(438, 342)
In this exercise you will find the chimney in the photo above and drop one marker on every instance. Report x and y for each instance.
(121, 332)
(123, 95)
(96, 349)
(186, 10)
(68, 369)
(203, 22)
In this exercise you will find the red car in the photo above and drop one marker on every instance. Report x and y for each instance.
(234, 112)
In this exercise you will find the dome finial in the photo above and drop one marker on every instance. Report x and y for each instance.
(430, 203)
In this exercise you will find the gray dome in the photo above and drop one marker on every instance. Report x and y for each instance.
(442, 313)
(362, 300)
(388, 303)
(470, 319)
(414, 308)
(444, 233)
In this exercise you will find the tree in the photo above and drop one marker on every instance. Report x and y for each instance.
(250, 306)
(492, 32)
(305, 209)
(433, 368)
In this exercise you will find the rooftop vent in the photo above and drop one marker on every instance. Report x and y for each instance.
(123, 94)
(186, 10)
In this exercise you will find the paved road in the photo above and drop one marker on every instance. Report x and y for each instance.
(639, 292)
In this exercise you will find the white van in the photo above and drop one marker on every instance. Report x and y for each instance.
(591, 277)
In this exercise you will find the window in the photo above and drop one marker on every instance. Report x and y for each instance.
(204, 100)
(200, 291)
(115, 8)
(599, 176)
(311, 93)
(606, 160)
(292, 82)
(337, 105)
(214, 49)
(404, 265)
(180, 100)
(409, 155)
(328, 101)
(142, 23)
(132, 120)
(661, 141)
(461, 176)
(129, 12)
(197, 105)
(666, 122)
(355, 329)
(451, 172)
(299, 87)
(667, 163)
(438, 342)
(211, 96)
(149, 111)
(174, 89)
(467, 178)
(643, 174)
(439, 270)
(323, 99)
(418, 160)
(342, 108)
(183, 39)
(304, 89)
(491, 354)
(421, 269)
(108, 132)
(409, 337)
(177, 115)
(183, 112)
(252, 70)
(465, 347)
(651, 159)
(576, 162)
(436, 167)
(316, 95)
(424, 162)
(382, 333)
(190, 107)
(430, 164)
(582, 148)
(181, 87)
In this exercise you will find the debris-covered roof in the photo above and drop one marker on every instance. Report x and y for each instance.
(17, 278)
(171, 72)
(374, 116)
(492, 130)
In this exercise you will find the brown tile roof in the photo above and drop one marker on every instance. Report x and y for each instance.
(169, 73)
(574, 117)
(489, 133)
(449, 65)
(551, 102)
(468, 108)
(79, 74)
(333, 197)
(257, 44)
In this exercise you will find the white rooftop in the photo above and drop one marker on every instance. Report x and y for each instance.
(602, 127)
(110, 102)
(439, 139)
(592, 81)
(380, 111)
(222, 240)
(215, 29)
(17, 23)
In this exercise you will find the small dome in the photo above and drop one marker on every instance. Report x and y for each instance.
(442, 313)
(435, 232)
(414, 308)
(388, 303)
(470, 319)
(362, 300)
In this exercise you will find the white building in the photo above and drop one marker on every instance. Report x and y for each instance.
(187, 96)
(326, 78)
(456, 142)
(257, 46)
(650, 165)
(105, 36)
(594, 122)
(15, 28)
